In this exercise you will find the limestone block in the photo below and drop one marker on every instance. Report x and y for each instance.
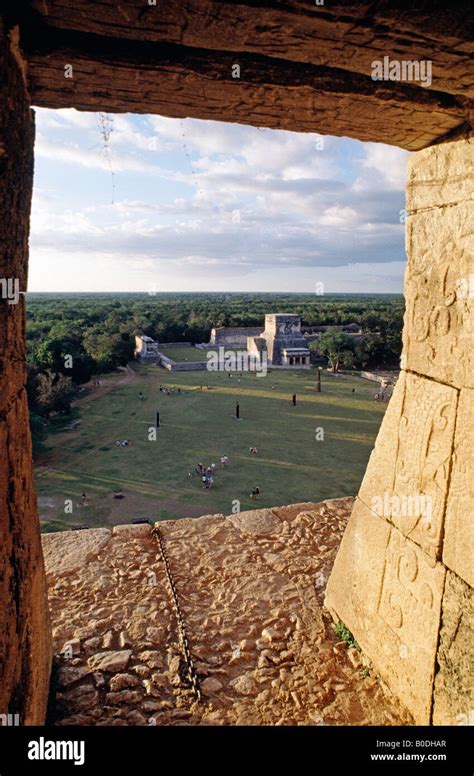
(406, 480)
(132, 530)
(439, 292)
(353, 589)
(67, 551)
(110, 661)
(387, 591)
(454, 684)
(458, 548)
(256, 521)
(440, 175)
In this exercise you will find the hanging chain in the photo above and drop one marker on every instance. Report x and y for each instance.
(183, 639)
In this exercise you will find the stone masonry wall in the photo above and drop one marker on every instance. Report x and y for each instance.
(403, 583)
(25, 649)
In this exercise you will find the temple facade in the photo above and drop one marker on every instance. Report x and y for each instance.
(282, 341)
(146, 349)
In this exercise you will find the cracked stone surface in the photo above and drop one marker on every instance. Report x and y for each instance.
(264, 648)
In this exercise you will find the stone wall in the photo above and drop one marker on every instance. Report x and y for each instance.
(402, 581)
(176, 345)
(25, 650)
(181, 366)
(187, 366)
(234, 336)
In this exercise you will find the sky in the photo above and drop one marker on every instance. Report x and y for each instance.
(145, 203)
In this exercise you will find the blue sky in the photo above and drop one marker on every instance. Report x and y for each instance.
(170, 205)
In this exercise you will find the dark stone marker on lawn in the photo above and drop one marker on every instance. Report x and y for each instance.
(237, 411)
(294, 400)
(157, 420)
(318, 384)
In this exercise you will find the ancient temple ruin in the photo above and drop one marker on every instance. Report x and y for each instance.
(281, 342)
(146, 349)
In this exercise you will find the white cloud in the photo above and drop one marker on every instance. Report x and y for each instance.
(389, 162)
(299, 207)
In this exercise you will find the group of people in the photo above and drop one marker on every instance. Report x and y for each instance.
(123, 443)
(206, 473)
(169, 391)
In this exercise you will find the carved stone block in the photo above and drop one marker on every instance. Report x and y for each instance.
(406, 480)
(458, 548)
(439, 292)
(439, 176)
(387, 591)
(454, 685)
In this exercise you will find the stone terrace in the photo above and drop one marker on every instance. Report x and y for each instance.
(251, 589)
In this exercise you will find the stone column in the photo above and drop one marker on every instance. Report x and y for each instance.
(25, 642)
(402, 580)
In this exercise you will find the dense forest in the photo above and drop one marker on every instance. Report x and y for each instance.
(71, 337)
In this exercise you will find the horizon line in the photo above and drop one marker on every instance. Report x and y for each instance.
(176, 291)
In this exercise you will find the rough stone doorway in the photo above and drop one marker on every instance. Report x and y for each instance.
(258, 65)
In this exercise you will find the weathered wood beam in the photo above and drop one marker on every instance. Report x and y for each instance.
(345, 35)
(142, 77)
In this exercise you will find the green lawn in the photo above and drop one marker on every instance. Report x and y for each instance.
(198, 426)
(185, 354)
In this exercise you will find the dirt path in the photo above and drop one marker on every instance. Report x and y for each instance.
(106, 386)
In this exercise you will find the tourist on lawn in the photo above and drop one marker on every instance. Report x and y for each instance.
(224, 460)
(255, 493)
(253, 450)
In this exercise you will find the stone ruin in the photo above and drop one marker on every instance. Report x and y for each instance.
(232, 336)
(146, 350)
(281, 342)
(402, 583)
